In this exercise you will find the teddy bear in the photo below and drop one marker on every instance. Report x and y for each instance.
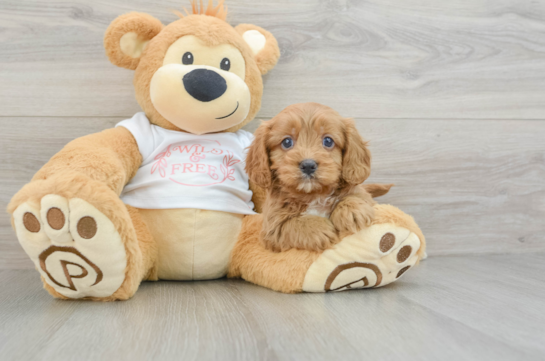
(164, 194)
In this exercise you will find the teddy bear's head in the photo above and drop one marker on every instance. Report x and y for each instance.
(197, 74)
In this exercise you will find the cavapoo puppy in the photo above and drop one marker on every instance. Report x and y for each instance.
(312, 162)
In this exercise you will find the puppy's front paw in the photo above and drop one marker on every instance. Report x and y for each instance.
(351, 217)
(271, 244)
(310, 233)
(322, 237)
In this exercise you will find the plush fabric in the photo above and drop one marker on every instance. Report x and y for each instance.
(209, 30)
(87, 244)
(296, 270)
(193, 244)
(138, 28)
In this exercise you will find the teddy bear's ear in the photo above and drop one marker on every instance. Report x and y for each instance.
(127, 36)
(263, 44)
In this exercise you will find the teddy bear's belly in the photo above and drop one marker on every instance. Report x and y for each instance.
(193, 244)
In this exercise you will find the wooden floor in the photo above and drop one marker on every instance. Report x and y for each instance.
(451, 96)
(449, 308)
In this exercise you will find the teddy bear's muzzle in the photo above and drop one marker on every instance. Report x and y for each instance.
(198, 98)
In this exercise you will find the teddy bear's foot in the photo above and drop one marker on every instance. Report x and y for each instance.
(74, 246)
(373, 257)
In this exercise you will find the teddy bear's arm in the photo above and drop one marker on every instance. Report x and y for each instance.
(110, 157)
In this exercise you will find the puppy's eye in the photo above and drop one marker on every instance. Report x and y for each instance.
(187, 59)
(328, 143)
(225, 64)
(287, 143)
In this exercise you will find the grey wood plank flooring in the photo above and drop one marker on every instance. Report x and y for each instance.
(486, 307)
(373, 59)
(473, 186)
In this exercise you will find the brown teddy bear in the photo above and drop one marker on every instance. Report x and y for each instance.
(164, 195)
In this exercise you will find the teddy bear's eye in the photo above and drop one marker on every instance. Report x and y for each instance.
(287, 143)
(187, 59)
(328, 143)
(225, 64)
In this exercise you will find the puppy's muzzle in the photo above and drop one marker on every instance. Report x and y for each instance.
(204, 85)
(308, 166)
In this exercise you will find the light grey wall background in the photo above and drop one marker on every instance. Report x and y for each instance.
(451, 95)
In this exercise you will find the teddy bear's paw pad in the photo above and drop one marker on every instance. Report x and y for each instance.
(373, 257)
(73, 245)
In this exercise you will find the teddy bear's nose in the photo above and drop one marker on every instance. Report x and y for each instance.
(204, 85)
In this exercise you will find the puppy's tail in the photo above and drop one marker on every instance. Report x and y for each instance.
(377, 190)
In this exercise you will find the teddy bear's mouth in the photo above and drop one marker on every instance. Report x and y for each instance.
(228, 115)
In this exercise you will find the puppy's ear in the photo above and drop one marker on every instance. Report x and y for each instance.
(257, 161)
(356, 157)
(127, 36)
(263, 44)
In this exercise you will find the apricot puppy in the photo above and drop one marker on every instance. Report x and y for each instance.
(311, 161)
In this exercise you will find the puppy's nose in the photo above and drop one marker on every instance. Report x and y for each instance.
(204, 85)
(308, 166)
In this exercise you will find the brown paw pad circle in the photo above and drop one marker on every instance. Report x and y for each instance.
(55, 218)
(387, 242)
(87, 227)
(404, 253)
(403, 270)
(31, 223)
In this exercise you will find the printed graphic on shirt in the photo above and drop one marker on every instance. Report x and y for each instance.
(196, 165)
(183, 170)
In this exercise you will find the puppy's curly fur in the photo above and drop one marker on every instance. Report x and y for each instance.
(314, 194)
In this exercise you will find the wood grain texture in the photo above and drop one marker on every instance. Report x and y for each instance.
(472, 186)
(486, 307)
(372, 59)
(419, 76)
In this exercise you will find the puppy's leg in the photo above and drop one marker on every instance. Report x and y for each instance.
(307, 232)
(353, 213)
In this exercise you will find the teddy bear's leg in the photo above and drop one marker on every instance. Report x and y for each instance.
(284, 271)
(373, 257)
(83, 240)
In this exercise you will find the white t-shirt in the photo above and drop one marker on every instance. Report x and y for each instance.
(183, 170)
